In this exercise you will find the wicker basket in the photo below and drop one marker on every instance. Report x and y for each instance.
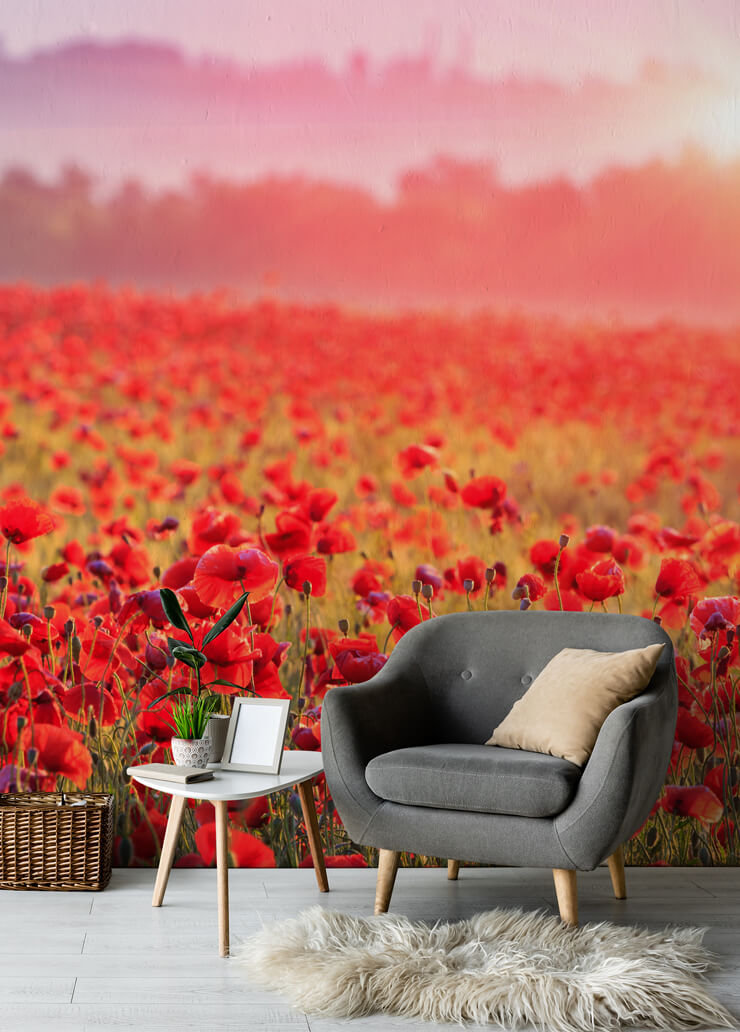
(56, 840)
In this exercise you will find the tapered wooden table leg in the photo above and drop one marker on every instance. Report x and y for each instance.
(566, 889)
(387, 868)
(616, 870)
(453, 869)
(174, 820)
(305, 794)
(222, 875)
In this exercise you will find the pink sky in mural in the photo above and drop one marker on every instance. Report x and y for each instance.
(244, 90)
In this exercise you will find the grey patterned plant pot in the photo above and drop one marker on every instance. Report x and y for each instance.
(187, 752)
(218, 727)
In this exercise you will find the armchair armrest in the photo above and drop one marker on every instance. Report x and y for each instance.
(361, 721)
(625, 772)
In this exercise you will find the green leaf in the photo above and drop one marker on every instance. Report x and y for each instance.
(167, 695)
(229, 616)
(173, 612)
(189, 656)
(227, 684)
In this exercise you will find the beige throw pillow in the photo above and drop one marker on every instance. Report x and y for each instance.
(563, 710)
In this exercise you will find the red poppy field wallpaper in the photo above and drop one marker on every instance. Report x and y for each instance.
(377, 315)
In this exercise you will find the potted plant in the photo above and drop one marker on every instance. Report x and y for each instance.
(201, 732)
(192, 747)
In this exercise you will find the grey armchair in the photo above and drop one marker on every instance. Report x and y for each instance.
(408, 770)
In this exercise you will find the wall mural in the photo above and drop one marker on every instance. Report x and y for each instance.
(377, 318)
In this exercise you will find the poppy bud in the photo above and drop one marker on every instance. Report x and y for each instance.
(416, 586)
(730, 635)
(26, 630)
(468, 584)
(157, 573)
(32, 756)
(97, 620)
(49, 612)
(651, 838)
(723, 653)
(92, 727)
(307, 587)
(344, 626)
(69, 627)
(301, 703)
(564, 539)
(95, 758)
(76, 646)
(427, 590)
(490, 575)
(3, 583)
(15, 691)
(525, 604)
(20, 722)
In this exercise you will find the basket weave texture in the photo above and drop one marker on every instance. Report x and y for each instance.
(60, 841)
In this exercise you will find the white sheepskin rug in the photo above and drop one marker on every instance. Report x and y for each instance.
(507, 967)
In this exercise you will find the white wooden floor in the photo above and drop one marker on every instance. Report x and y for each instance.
(88, 961)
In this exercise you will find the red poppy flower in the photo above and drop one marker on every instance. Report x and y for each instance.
(711, 615)
(404, 613)
(23, 519)
(602, 581)
(292, 537)
(61, 752)
(543, 555)
(142, 609)
(600, 539)
(692, 732)
(246, 850)
(81, 697)
(415, 458)
(265, 668)
(12, 643)
(529, 586)
(402, 495)
(572, 603)
(305, 739)
(692, 801)
(372, 576)
(334, 540)
(211, 527)
(484, 492)
(357, 659)
(51, 574)
(304, 568)
(677, 578)
(74, 554)
(180, 572)
(671, 538)
(719, 779)
(342, 860)
(471, 568)
(223, 573)
(67, 500)
(317, 504)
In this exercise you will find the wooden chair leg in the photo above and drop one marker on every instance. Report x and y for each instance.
(566, 890)
(453, 869)
(174, 820)
(387, 868)
(616, 870)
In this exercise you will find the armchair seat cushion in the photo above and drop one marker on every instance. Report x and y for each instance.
(482, 778)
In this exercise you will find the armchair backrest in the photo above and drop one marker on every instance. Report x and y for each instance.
(476, 665)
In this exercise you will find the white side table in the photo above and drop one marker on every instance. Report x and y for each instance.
(298, 768)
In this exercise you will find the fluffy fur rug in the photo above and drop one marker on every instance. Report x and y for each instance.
(505, 967)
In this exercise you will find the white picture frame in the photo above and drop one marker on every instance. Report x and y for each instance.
(256, 735)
